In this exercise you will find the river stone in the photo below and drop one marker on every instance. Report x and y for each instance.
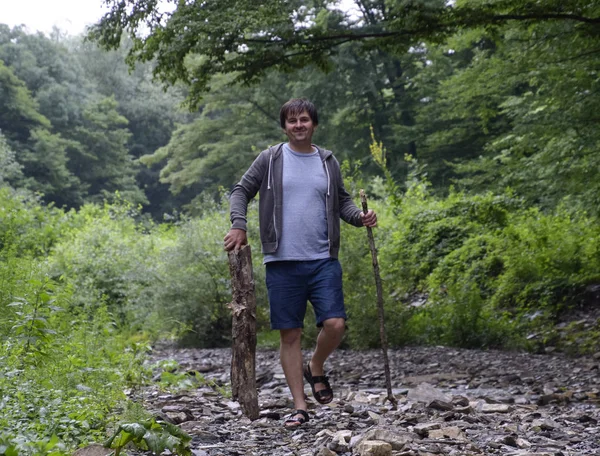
(199, 452)
(423, 428)
(342, 436)
(461, 374)
(93, 450)
(451, 432)
(340, 442)
(374, 448)
(496, 408)
(522, 443)
(426, 393)
(190, 426)
(545, 424)
(326, 452)
(180, 417)
(374, 416)
(440, 405)
(396, 438)
(460, 401)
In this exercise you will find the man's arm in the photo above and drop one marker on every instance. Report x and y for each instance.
(241, 195)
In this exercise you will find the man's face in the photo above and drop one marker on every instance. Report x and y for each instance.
(299, 128)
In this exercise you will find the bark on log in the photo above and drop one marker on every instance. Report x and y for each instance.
(243, 310)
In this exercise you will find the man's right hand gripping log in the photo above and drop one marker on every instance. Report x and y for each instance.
(302, 199)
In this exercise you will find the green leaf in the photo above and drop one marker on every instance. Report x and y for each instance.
(177, 432)
(135, 429)
(154, 442)
(52, 442)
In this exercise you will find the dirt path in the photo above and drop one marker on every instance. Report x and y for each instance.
(451, 402)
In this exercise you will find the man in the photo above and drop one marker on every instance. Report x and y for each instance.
(302, 199)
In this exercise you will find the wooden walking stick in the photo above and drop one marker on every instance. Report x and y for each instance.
(243, 350)
(384, 345)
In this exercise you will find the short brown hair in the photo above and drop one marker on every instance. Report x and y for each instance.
(296, 106)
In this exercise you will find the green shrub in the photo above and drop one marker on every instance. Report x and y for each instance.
(491, 271)
(27, 228)
(61, 373)
(360, 293)
(111, 258)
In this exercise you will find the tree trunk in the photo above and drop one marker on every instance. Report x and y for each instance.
(243, 309)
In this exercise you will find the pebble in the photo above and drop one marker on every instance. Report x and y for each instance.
(451, 402)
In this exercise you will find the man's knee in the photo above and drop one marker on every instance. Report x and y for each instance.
(290, 337)
(334, 325)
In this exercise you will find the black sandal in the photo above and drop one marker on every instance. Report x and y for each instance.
(325, 396)
(293, 419)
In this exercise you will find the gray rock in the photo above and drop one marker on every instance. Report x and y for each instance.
(340, 442)
(496, 408)
(93, 450)
(326, 452)
(396, 438)
(426, 393)
(545, 424)
(374, 448)
(180, 417)
(199, 452)
(205, 436)
(423, 428)
(451, 432)
(438, 404)
(466, 430)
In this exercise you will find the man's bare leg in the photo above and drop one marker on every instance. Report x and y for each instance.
(328, 340)
(290, 353)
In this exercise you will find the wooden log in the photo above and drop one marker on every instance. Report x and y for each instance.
(243, 310)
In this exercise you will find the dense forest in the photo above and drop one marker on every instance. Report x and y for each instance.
(472, 125)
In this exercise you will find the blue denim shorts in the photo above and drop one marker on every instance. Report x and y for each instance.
(292, 283)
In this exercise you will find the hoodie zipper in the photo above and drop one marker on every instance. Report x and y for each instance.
(269, 178)
(327, 205)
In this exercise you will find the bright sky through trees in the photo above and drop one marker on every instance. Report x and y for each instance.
(69, 15)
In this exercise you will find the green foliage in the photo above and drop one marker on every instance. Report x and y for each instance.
(173, 277)
(106, 256)
(151, 111)
(174, 380)
(62, 371)
(46, 165)
(101, 159)
(498, 97)
(18, 111)
(26, 227)
(430, 229)
(245, 39)
(152, 436)
(46, 446)
(73, 146)
(471, 271)
(510, 106)
(11, 172)
(210, 152)
(191, 291)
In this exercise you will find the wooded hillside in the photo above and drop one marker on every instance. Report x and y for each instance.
(472, 126)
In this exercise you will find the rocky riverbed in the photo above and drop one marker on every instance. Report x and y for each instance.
(450, 402)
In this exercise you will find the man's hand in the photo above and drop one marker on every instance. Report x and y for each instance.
(235, 239)
(369, 219)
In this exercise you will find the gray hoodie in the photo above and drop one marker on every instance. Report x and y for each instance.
(264, 176)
